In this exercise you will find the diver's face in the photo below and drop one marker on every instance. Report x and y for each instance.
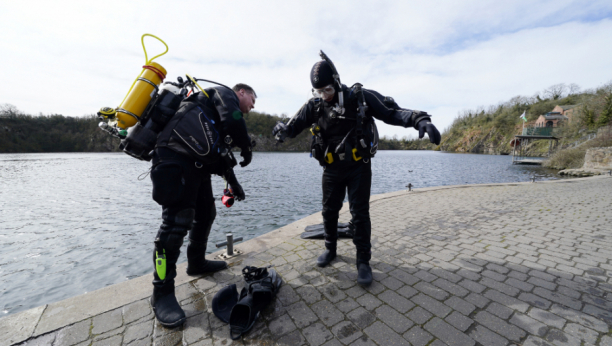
(326, 93)
(247, 100)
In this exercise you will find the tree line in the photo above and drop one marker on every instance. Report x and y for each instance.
(25, 133)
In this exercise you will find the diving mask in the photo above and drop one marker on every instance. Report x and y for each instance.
(325, 92)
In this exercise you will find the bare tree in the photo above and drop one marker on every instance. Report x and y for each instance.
(556, 91)
(573, 89)
(8, 110)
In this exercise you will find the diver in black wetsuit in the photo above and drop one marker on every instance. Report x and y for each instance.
(345, 138)
(186, 154)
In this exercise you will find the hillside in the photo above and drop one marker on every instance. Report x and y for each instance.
(490, 130)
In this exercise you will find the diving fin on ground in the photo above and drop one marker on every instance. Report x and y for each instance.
(262, 286)
(347, 231)
(319, 227)
(224, 301)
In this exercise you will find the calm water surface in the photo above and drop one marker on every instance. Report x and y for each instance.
(74, 223)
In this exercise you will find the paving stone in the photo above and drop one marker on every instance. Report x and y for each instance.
(606, 341)
(542, 283)
(419, 315)
(499, 310)
(196, 328)
(383, 335)
(459, 321)
(521, 285)
(107, 321)
(431, 290)
(396, 301)
(281, 325)
(581, 332)
(326, 311)
(136, 310)
(499, 326)
(580, 318)
(333, 342)
(493, 275)
(309, 294)
(332, 293)
(529, 325)
(347, 305)
(43, 340)
(393, 319)
(508, 301)
(605, 315)
(369, 301)
(363, 341)
(486, 337)
(317, 334)
(447, 333)
(477, 300)
(431, 305)
(425, 276)
(392, 283)
(109, 334)
(301, 314)
(361, 317)
(460, 305)
(287, 295)
(547, 318)
(417, 336)
(294, 338)
(112, 341)
(407, 291)
(472, 286)
(501, 287)
(346, 332)
(560, 338)
(471, 275)
(73, 334)
(404, 277)
(535, 341)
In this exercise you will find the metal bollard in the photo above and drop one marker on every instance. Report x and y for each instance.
(533, 179)
(409, 186)
(230, 246)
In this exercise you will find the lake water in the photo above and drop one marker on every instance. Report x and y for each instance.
(74, 223)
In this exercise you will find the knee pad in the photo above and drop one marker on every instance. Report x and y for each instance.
(181, 218)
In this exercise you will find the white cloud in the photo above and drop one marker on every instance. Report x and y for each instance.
(72, 57)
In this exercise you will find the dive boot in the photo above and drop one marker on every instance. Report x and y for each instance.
(254, 297)
(328, 255)
(197, 264)
(364, 272)
(167, 309)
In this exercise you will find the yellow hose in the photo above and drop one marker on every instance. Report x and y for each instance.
(147, 62)
(198, 85)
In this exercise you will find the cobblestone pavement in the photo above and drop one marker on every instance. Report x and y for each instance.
(523, 264)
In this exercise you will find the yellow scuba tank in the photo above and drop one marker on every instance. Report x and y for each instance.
(143, 90)
(139, 96)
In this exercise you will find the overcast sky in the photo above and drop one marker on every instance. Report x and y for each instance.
(73, 57)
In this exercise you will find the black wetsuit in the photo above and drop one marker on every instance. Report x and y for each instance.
(183, 162)
(344, 173)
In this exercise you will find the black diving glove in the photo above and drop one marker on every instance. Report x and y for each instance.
(247, 156)
(280, 131)
(236, 188)
(237, 191)
(433, 133)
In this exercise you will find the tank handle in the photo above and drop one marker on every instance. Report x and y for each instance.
(147, 62)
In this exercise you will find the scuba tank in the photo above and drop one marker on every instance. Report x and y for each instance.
(146, 105)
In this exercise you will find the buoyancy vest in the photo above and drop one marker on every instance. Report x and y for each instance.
(351, 135)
